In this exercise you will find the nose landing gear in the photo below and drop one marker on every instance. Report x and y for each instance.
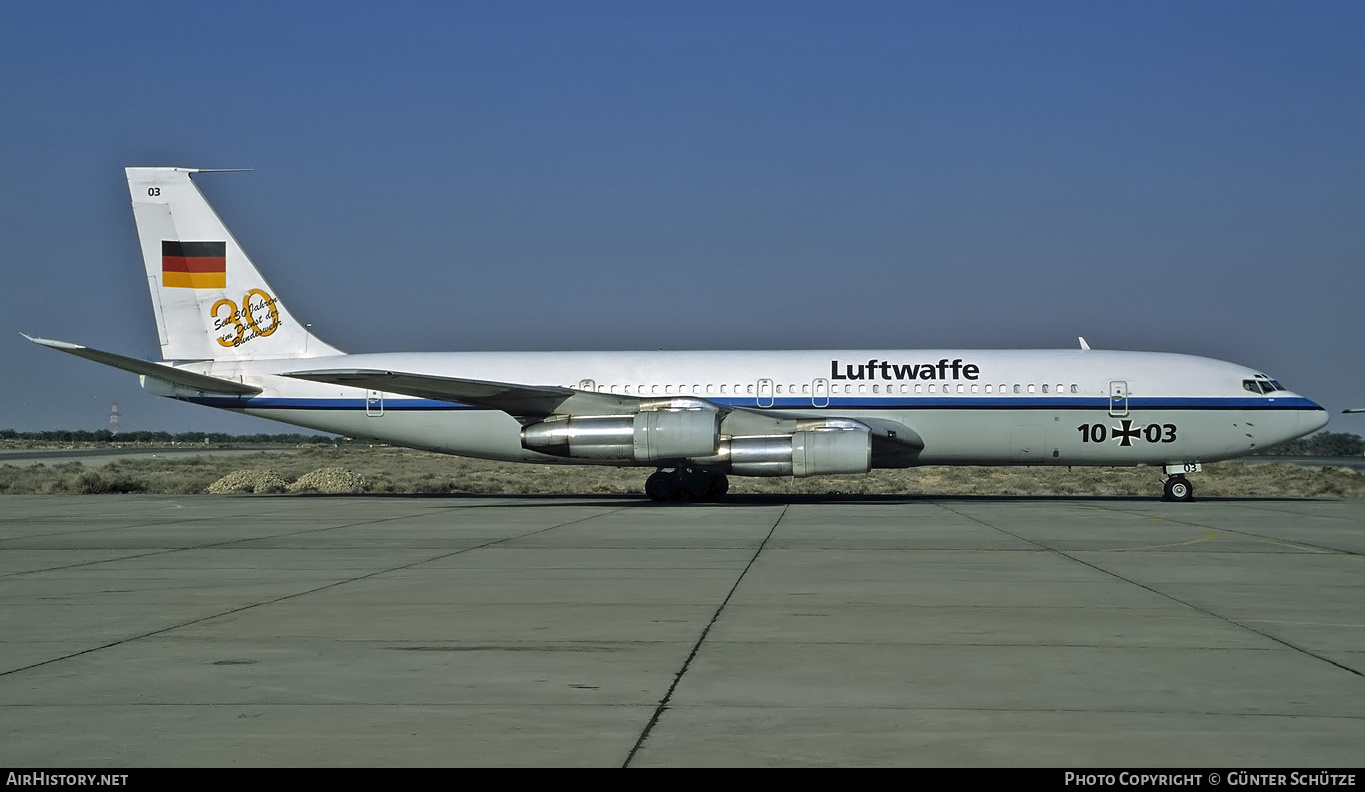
(685, 482)
(1177, 488)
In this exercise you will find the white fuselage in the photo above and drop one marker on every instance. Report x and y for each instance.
(977, 407)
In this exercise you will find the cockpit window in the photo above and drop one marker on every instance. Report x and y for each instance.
(1262, 384)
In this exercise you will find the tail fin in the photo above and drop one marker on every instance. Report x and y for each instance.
(210, 301)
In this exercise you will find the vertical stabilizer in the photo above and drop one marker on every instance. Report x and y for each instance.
(210, 301)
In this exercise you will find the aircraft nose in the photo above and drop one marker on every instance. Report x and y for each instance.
(1312, 420)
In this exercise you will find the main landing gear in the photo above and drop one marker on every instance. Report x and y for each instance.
(686, 482)
(1177, 489)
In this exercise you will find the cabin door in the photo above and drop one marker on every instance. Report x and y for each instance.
(819, 393)
(374, 403)
(1118, 399)
(765, 393)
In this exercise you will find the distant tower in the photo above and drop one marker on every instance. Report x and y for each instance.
(113, 417)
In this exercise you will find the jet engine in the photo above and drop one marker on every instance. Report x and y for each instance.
(800, 454)
(647, 436)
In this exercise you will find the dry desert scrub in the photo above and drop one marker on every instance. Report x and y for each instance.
(333, 481)
(385, 470)
(249, 481)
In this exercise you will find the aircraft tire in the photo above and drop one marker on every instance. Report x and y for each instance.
(659, 487)
(716, 487)
(1178, 489)
(697, 487)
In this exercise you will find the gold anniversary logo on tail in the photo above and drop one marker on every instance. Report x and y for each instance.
(242, 324)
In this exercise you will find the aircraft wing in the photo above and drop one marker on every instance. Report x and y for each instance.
(541, 401)
(536, 401)
(175, 376)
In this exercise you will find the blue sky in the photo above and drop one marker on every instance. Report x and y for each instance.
(605, 175)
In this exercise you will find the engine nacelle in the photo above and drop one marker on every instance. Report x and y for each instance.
(648, 436)
(801, 454)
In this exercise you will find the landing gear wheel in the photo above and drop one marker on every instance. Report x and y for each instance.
(659, 486)
(696, 485)
(1178, 489)
(716, 487)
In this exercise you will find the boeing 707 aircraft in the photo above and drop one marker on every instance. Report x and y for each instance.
(228, 341)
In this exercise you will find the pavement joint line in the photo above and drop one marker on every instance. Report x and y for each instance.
(1257, 507)
(1239, 715)
(296, 594)
(677, 678)
(1304, 546)
(147, 554)
(210, 545)
(1171, 597)
(131, 524)
(166, 550)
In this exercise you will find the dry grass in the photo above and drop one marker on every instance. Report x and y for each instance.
(392, 470)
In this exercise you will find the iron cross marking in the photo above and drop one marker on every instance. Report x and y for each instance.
(1127, 433)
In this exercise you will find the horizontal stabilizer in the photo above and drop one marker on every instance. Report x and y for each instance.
(519, 400)
(175, 376)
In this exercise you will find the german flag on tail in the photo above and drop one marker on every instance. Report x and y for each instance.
(194, 265)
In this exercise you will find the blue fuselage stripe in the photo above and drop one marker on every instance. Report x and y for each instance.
(397, 404)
